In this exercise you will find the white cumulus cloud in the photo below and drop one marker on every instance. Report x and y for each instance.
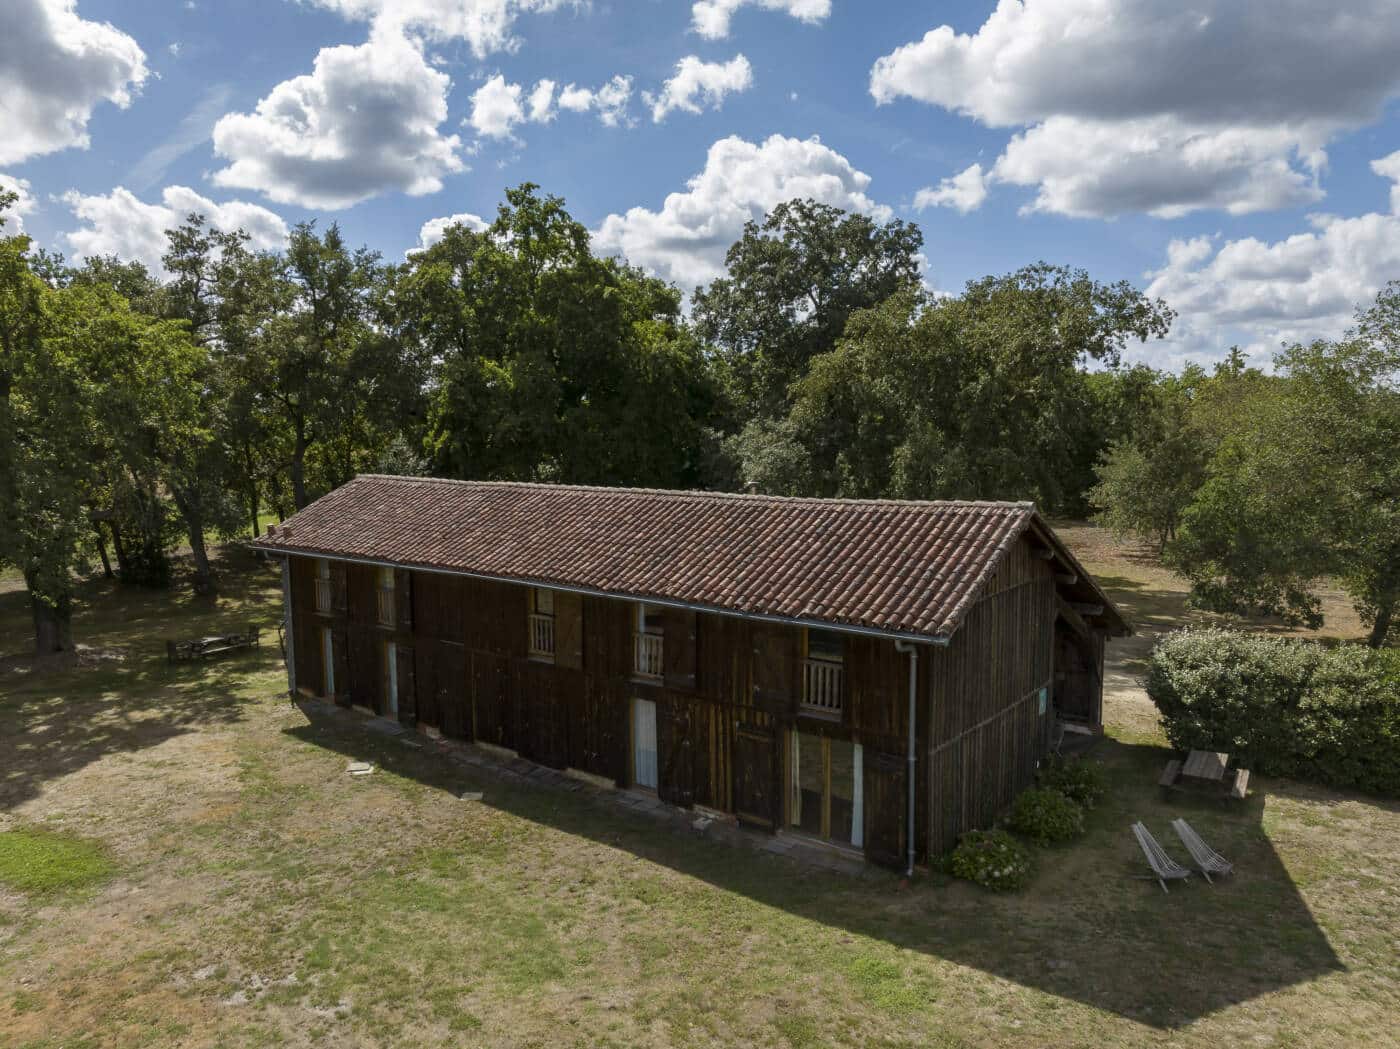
(1155, 106)
(499, 107)
(365, 121)
(710, 18)
(686, 239)
(55, 69)
(433, 230)
(1259, 294)
(23, 205)
(698, 84)
(609, 101)
(496, 108)
(964, 191)
(119, 223)
(1389, 167)
(486, 25)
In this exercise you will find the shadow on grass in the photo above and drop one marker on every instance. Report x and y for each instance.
(1086, 930)
(117, 693)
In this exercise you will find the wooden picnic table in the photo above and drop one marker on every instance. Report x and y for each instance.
(1206, 765)
(204, 647)
(1204, 772)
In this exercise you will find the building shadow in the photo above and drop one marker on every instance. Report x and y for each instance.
(1088, 929)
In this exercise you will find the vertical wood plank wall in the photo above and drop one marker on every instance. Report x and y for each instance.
(982, 694)
(727, 703)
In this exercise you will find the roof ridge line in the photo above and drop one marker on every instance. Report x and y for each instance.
(699, 493)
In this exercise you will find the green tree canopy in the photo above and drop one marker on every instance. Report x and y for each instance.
(552, 363)
(792, 282)
(1308, 485)
(969, 397)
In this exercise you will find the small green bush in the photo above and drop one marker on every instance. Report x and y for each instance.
(1047, 817)
(1284, 708)
(1083, 782)
(992, 859)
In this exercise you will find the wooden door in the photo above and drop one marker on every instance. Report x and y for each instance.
(886, 804)
(548, 688)
(491, 691)
(644, 763)
(425, 676)
(755, 775)
(327, 663)
(451, 697)
(340, 665)
(675, 754)
(407, 684)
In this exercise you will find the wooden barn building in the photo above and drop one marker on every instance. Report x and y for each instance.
(879, 675)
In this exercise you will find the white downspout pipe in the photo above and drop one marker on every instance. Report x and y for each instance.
(908, 646)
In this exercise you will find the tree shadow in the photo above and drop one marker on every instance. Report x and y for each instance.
(117, 693)
(1087, 930)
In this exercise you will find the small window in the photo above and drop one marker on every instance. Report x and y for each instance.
(825, 645)
(384, 597)
(648, 637)
(323, 585)
(823, 673)
(541, 624)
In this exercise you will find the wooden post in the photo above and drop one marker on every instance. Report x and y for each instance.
(290, 628)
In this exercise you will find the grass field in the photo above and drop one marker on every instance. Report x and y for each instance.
(239, 889)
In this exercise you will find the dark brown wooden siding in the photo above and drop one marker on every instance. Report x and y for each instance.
(983, 697)
(729, 700)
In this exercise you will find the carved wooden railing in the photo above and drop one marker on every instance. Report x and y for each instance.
(822, 685)
(541, 635)
(646, 655)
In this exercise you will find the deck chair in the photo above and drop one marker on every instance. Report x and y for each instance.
(1164, 868)
(1208, 861)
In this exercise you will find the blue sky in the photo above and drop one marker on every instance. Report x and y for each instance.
(1237, 159)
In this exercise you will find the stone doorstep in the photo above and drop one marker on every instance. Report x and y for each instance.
(722, 829)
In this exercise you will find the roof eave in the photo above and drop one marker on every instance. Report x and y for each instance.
(838, 626)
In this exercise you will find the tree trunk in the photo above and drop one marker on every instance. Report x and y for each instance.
(102, 549)
(194, 528)
(299, 466)
(1381, 627)
(117, 547)
(53, 622)
(254, 509)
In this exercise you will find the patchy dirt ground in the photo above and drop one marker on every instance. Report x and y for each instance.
(264, 897)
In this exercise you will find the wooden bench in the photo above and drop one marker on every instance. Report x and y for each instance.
(1240, 786)
(204, 647)
(1170, 775)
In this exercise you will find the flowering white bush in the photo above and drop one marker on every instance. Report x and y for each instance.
(992, 859)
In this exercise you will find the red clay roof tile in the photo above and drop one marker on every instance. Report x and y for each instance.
(905, 567)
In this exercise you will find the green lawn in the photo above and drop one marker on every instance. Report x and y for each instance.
(251, 893)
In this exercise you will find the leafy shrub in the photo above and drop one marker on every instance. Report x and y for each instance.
(992, 859)
(1083, 782)
(1047, 817)
(1284, 708)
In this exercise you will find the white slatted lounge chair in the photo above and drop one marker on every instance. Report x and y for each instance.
(1164, 868)
(1208, 861)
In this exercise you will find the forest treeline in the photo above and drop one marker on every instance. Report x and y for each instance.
(141, 412)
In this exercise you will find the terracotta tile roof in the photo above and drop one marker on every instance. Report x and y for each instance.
(908, 568)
